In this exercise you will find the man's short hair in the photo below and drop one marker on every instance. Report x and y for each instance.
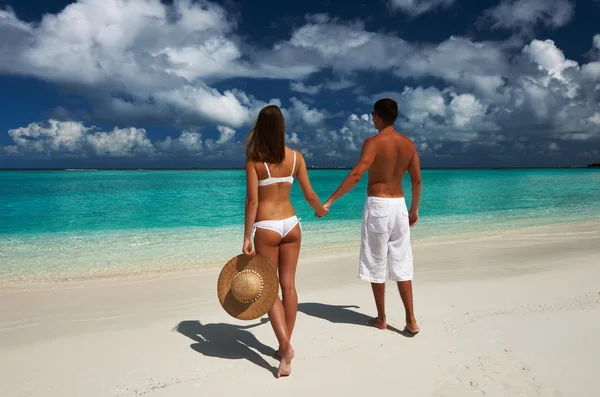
(387, 109)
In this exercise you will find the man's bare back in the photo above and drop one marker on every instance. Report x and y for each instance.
(394, 154)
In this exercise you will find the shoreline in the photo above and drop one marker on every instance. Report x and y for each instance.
(350, 248)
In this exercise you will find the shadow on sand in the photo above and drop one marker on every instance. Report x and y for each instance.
(342, 314)
(234, 342)
(227, 341)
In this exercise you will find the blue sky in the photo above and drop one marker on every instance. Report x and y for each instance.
(145, 83)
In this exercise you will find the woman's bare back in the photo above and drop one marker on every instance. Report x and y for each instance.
(274, 199)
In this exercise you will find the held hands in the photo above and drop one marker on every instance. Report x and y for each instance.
(247, 247)
(324, 210)
(413, 217)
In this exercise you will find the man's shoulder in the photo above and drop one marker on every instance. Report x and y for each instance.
(403, 136)
(394, 137)
(371, 142)
(406, 141)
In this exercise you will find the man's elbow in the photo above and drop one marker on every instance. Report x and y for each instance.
(417, 182)
(356, 175)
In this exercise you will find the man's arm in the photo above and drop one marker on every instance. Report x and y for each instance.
(366, 159)
(414, 170)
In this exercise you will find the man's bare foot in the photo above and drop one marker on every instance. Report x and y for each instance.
(412, 328)
(378, 323)
(285, 365)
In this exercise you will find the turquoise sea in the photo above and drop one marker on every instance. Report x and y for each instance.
(58, 225)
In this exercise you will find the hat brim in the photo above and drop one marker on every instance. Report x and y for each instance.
(258, 308)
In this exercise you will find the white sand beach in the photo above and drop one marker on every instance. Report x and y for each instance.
(517, 314)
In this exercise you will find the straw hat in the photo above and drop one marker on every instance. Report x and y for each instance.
(247, 286)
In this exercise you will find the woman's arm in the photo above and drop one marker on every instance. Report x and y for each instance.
(251, 206)
(309, 194)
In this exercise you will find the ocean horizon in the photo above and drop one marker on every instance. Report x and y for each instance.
(84, 224)
(308, 167)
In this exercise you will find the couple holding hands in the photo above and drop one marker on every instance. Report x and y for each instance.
(385, 250)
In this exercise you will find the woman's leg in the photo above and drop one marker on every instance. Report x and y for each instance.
(289, 251)
(266, 243)
(288, 259)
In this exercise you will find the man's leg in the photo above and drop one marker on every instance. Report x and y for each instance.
(373, 255)
(405, 288)
(401, 265)
(379, 294)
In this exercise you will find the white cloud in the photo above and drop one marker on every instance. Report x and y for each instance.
(208, 103)
(301, 111)
(549, 58)
(340, 84)
(330, 39)
(346, 141)
(189, 142)
(206, 59)
(111, 41)
(298, 86)
(159, 55)
(10, 150)
(420, 103)
(591, 71)
(73, 139)
(347, 48)
(418, 7)
(511, 14)
(226, 134)
(151, 51)
(595, 119)
(476, 66)
(293, 138)
(69, 139)
(127, 142)
(465, 108)
(434, 115)
(294, 141)
(541, 95)
(344, 47)
(143, 60)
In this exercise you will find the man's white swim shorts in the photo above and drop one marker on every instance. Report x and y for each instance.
(385, 241)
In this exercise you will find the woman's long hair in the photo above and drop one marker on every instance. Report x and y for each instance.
(267, 139)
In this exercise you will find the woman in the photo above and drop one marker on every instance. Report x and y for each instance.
(270, 170)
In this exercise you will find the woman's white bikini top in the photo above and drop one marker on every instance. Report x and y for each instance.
(270, 180)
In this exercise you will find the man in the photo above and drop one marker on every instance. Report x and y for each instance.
(386, 219)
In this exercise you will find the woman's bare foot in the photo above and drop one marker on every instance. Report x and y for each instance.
(277, 355)
(378, 323)
(285, 365)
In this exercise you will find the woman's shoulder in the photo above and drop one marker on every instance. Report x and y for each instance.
(289, 150)
(250, 163)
